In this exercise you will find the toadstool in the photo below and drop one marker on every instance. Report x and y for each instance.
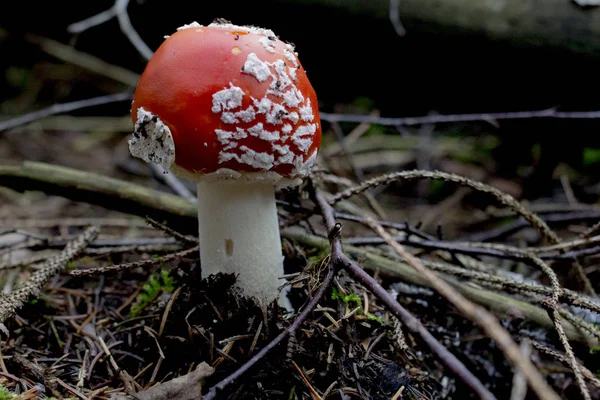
(232, 109)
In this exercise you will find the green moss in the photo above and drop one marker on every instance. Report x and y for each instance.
(6, 394)
(158, 283)
(354, 300)
(591, 156)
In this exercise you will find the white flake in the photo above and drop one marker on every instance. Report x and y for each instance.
(299, 137)
(283, 150)
(192, 25)
(264, 105)
(259, 69)
(283, 80)
(269, 43)
(292, 72)
(303, 167)
(229, 118)
(306, 112)
(292, 98)
(249, 157)
(291, 55)
(227, 99)
(293, 116)
(304, 130)
(246, 115)
(152, 140)
(259, 131)
(302, 143)
(275, 115)
(244, 28)
(225, 137)
(287, 128)
(286, 156)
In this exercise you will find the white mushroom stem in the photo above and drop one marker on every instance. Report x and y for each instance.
(239, 234)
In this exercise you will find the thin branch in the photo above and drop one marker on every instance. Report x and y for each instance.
(172, 181)
(339, 258)
(15, 300)
(133, 264)
(85, 60)
(119, 10)
(213, 391)
(479, 315)
(129, 31)
(394, 15)
(64, 108)
(436, 119)
(503, 198)
(520, 223)
(95, 20)
(101, 190)
(561, 358)
(500, 303)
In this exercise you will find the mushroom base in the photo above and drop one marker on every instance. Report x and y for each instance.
(239, 234)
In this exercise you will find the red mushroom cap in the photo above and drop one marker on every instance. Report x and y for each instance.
(233, 98)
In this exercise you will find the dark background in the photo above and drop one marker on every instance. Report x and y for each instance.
(350, 56)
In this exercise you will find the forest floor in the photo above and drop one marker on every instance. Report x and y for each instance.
(101, 300)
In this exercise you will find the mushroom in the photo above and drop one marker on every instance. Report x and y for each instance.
(230, 108)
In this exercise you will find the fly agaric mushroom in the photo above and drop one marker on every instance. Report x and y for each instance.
(230, 108)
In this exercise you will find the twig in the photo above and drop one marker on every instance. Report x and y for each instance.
(435, 119)
(95, 20)
(506, 200)
(514, 226)
(11, 303)
(64, 108)
(519, 388)
(127, 29)
(101, 190)
(312, 390)
(212, 393)
(394, 15)
(500, 303)
(486, 321)
(339, 258)
(171, 232)
(85, 60)
(172, 181)
(133, 264)
(503, 198)
(123, 375)
(561, 358)
(358, 173)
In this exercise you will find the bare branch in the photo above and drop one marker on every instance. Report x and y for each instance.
(119, 10)
(412, 323)
(11, 303)
(64, 108)
(395, 17)
(435, 119)
(95, 20)
(213, 391)
(479, 315)
(129, 31)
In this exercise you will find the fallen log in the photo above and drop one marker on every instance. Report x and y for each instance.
(561, 24)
